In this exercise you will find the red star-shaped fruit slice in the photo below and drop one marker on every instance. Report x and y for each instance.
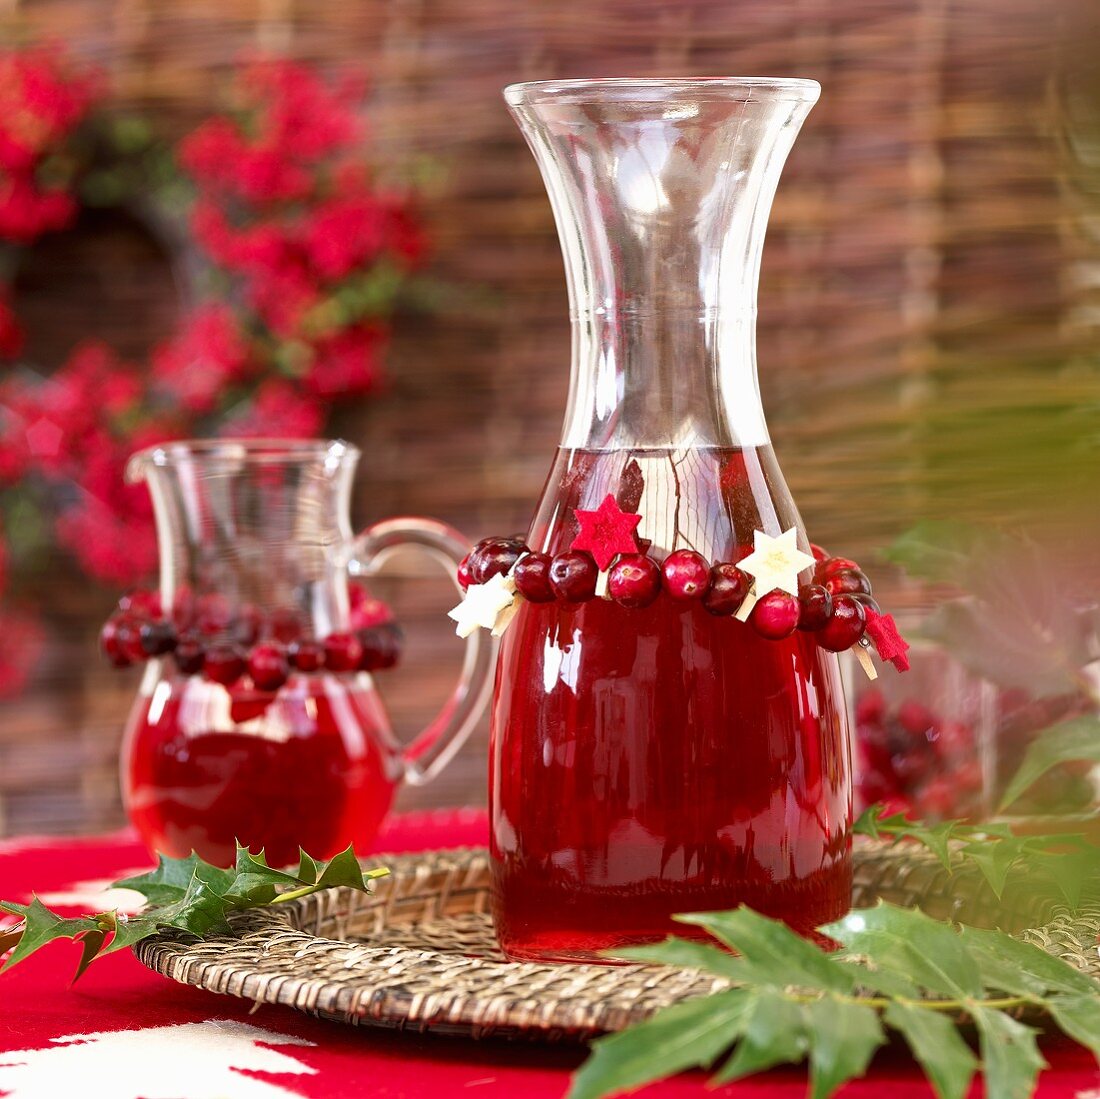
(889, 643)
(606, 532)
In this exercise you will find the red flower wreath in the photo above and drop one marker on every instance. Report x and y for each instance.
(310, 250)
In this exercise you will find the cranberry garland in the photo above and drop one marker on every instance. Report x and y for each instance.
(205, 637)
(836, 606)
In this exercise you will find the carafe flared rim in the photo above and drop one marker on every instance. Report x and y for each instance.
(655, 89)
(332, 454)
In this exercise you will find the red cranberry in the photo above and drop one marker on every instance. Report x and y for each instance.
(286, 625)
(871, 707)
(938, 798)
(141, 603)
(848, 582)
(728, 588)
(116, 641)
(870, 603)
(183, 608)
(189, 654)
(463, 573)
(916, 718)
(824, 569)
(968, 776)
(815, 605)
(573, 576)
(687, 574)
(775, 616)
(268, 666)
(246, 628)
(343, 651)
(225, 662)
(213, 613)
(307, 655)
(491, 557)
(845, 627)
(634, 580)
(381, 646)
(366, 611)
(954, 739)
(158, 638)
(532, 578)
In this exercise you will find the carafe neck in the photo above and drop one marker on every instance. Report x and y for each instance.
(661, 192)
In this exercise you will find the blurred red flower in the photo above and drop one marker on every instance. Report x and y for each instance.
(207, 355)
(308, 254)
(348, 362)
(279, 410)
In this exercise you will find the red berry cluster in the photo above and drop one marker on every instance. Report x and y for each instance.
(834, 606)
(208, 636)
(912, 759)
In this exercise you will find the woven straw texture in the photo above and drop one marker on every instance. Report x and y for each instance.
(419, 952)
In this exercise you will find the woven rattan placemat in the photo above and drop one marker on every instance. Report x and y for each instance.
(419, 952)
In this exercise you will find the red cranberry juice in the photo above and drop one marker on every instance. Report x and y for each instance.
(664, 760)
(310, 766)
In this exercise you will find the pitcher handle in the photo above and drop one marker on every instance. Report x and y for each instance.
(431, 750)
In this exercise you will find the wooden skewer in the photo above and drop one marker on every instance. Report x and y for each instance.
(865, 662)
(747, 605)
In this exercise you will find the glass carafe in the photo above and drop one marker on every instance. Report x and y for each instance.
(646, 762)
(256, 536)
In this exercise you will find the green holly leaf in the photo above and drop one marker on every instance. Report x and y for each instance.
(773, 1032)
(171, 879)
(1079, 1017)
(129, 931)
(937, 838)
(772, 953)
(1069, 871)
(91, 946)
(41, 926)
(1068, 741)
(885, 981)
(937, 1046)
(256, 883)
(307, 868)
(688, 1035)
(907, 941)
(843, 1037)
(686, 953)
(1011, 1061)
(187, 894)
(201, 910)
(344, 869)
(867, 823)
(995, 860)
(1023, 968)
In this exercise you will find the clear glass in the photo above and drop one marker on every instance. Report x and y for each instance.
(649, 762)
(259, 531)
(942, 742)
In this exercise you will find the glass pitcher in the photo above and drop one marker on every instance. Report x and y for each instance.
(651, 761)
(255, 539)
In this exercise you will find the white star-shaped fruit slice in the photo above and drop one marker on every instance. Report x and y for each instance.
(484, 606)
(774, 565)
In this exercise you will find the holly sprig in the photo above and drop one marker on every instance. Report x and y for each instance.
(897, 972)
(1060, 866)
(186, 894)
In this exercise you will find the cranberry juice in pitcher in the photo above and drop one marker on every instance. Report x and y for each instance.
(653, 753)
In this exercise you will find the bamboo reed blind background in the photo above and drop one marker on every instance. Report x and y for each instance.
(928, 309)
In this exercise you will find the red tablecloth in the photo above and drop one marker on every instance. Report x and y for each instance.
(124, 1033)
